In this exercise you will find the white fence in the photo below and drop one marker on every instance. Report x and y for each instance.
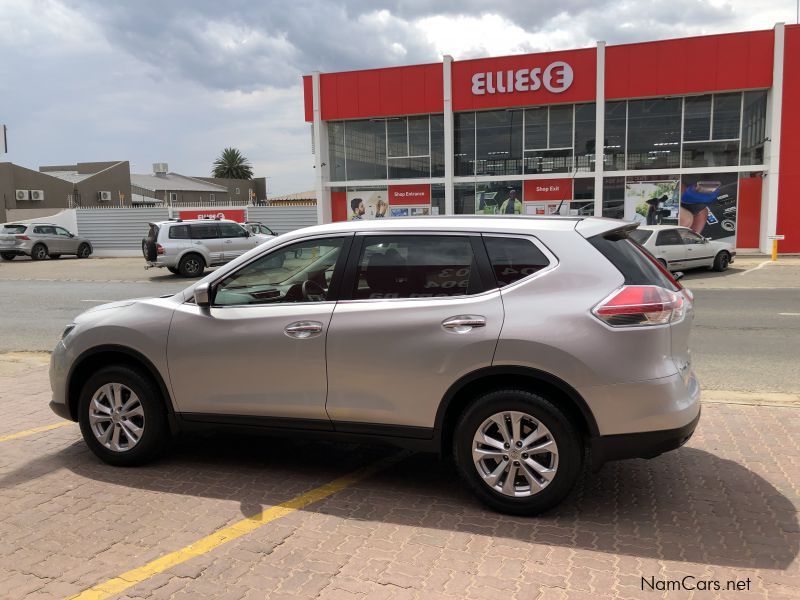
(116, 231)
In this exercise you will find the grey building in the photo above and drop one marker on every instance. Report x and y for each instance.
(27, 194)
(95, 183)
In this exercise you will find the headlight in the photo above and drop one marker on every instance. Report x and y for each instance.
(67, 330)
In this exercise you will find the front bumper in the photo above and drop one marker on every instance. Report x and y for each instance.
(58, 381)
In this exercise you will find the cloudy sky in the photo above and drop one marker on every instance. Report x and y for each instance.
(176, 81)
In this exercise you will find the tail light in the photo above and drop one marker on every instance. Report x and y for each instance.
(159, 249)
(22, 237)
(638, 305)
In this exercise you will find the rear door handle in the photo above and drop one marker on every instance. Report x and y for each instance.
(228, 241)
(464, 323)
(303, 329)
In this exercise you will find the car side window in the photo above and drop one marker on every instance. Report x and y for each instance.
(62, 231)
(690, 237)
(231, 230)
(416, 266)
(44, 230)
(179, 232)
(513, 258)
(204, 231)
(668, 237)
(300, 272)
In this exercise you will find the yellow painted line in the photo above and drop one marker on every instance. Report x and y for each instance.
(27, 432)
(204, 545)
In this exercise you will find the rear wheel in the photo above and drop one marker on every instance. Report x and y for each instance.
(84, 250)
(191, 265)
(663, 263)
(721, 261)
(122, 416)
(39, 252)
(8, 255)
(517, 452)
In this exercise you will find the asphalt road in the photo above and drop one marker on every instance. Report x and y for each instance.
(745, 338)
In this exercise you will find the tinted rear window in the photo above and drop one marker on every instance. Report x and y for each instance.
(179, 232)
(513, 258)
(205, 232)
(631, 260)
(640, 236)
(14, 228)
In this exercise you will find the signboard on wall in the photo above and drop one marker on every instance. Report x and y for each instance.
(237, 214)
(366, 204)
(535, 190)
(410, 194)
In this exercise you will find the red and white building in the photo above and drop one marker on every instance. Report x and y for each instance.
(705, 123)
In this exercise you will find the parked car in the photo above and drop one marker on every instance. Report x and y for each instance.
(257, 227)
(680, 248)
(513, 344)
(40, 240)
(186, 248)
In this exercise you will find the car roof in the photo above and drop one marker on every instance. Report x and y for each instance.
(661, 227)
(193, 221)
(30, 224)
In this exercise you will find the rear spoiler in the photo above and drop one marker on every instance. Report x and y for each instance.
(593, 226)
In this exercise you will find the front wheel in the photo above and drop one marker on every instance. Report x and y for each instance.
(8, 255)
(122, 416)
(517, 452)
(84, 250)
(722, 261)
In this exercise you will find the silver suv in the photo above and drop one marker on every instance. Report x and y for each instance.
(186, 248)
(521, 346)
(40, 241)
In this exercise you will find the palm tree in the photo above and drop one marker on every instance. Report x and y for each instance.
(231, 164)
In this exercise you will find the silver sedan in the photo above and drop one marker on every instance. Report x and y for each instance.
(40, 240)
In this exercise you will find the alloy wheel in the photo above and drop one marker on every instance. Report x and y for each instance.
(116, 417)
(515, 454)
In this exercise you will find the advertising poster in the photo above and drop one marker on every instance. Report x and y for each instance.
(365, 204)
(399, 212)
(652, 201)
(498, 198)
(708, 205)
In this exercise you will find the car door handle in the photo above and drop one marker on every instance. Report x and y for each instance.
(303, 329)
(228, 241)
(464, 323)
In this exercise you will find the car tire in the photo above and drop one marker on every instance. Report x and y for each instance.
(721, 261)
(562, 465)
(39, 252)
(173, 270)
(55, 256)
(154, 430)
(664, 263)
(84, 250)
(8, 255)
(191, 265)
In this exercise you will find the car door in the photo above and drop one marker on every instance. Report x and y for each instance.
(67, 243)
(259, 349)
(47, 235)
(669, 247)
(698, 251)
(418, 311)
(235, 240)
(206, 235)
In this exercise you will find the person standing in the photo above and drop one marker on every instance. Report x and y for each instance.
(512, 205)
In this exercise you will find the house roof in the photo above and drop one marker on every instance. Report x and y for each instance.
(71, 176)
(172, 182)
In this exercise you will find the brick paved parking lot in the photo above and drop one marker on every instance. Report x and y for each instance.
(722, 508)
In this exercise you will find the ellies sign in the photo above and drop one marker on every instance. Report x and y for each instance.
(214, 213)
(556, 77)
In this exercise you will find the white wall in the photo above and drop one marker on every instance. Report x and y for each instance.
(64, 217)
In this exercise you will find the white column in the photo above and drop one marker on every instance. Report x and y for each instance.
(321, 158)
(772, 148)
(449, 148)
(599, 128)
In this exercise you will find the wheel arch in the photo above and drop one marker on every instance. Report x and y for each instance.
(458, 396)
(108, 355)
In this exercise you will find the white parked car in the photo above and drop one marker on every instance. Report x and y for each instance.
(679, 248)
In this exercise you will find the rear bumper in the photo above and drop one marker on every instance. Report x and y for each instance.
(647, 444)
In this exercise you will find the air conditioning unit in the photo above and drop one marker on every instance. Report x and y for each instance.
(104, 196)
(160, 168)
(23, 195)
(37, 195)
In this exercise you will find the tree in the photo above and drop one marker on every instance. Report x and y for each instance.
(231, 164)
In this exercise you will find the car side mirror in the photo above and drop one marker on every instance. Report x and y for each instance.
(71, 234)
(202, 294)
(678, 275)
(705, 240)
